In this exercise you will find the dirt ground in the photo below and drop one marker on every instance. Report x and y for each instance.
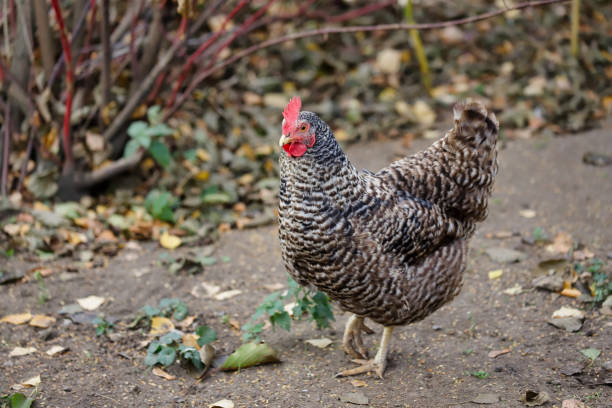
(430, 362)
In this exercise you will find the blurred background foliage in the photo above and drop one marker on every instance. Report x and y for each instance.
(154, 119)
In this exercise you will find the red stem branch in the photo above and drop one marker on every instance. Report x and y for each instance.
(69, 85)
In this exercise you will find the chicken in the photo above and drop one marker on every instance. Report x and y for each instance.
(389, 246)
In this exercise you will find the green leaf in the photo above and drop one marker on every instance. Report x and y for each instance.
(158, 130)
(321, 311)
(180, 311)
(18, 400)
(151, 359)
(154, 114)
(206, 335)
(206, 260)
(130, 148)
(170, 337)
(160, 204)
(192, 355)
(151, 311)
(250, 354)
(160, 153)
(591, 353)
(282, 320)
(166, 356)
(137, 128)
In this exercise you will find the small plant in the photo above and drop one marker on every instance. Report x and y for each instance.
(167, 307)
(306, 301)
(160, 204)
(145, 135)
(467, 352)
(165, 350)
(8, 253)
(539, 235)
(43, 293)
(480, 374)
(102, 326)
(18, 400)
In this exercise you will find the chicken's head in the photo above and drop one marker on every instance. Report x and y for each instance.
(298, 131)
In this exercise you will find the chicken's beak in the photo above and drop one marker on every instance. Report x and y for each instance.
(285, 140)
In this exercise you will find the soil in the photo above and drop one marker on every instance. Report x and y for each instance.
(430, 362)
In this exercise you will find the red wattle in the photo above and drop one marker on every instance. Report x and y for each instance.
(295, 149)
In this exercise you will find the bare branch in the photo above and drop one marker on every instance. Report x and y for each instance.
(106, 53)
(43, 34)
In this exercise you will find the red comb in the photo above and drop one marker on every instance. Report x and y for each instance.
(291, 112)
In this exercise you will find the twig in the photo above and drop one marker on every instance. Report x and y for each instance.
(90, 27)
(106, 53)
(340, 30)
(5, 157)
(418, 48)
(193, 57)
(114, 169)
(43, 34)
(24, 166)
(575, 27)
(68, 165)
(75, 35)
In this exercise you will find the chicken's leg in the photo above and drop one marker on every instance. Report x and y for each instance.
(352, 337)
(378, 364)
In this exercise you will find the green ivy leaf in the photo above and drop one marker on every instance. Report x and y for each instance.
(180, 311)
(591, 353)
(154, 114)
(137, 128)
(160, 153)
(130, 148)
(206, 335)
(282, 320)
(170, 337)
(151, 311)
(166, 356)
(158, 130)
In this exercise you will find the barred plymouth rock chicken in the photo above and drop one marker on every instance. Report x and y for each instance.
(389, 246)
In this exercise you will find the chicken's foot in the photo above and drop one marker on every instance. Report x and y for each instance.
(378, 364)
(352, 341)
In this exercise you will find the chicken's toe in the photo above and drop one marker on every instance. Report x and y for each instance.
(365, 366)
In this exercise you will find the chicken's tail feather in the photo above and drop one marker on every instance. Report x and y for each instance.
(475, 127)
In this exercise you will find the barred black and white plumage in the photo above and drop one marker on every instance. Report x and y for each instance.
(389, 246)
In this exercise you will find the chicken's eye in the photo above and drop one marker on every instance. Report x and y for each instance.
(303, 127)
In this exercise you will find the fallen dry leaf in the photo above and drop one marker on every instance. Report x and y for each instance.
(227, 294)
(534, 398)
(572, 403)
(224, 403)
(496, 274)
(55, 350)
(527, 213)
(359, 383)
(18, 318)
(91, 302)
(161, 373)
(320, 343)
(186, 322)
(160, 325)
(495, 353)
(190, 340)
(515, 290)
(561, 244)
(567, 312)
(582, 255)
(569, 292)
(22, 351)
(207, 353)
(42, 321)
(273, 287)
(169, 241)
(32, 382)
(234, 323)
